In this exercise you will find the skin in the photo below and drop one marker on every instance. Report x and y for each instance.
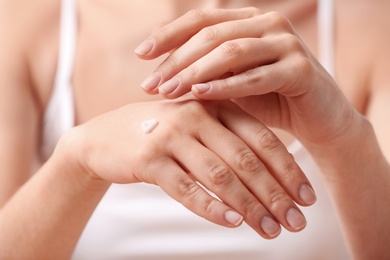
(297, 102)
(81, 169)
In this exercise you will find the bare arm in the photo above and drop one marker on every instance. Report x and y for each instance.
(46, 217)
(19, 113)
(309, 104)
(22, 234)
(357, 175)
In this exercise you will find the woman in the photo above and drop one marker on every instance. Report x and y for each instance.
(59, 200)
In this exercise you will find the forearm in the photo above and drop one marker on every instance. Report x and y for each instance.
(46, 216)
(358, 179)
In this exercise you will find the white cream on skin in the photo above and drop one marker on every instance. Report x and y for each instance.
(149, 125)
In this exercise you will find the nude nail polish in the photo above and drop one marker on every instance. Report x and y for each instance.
(307, 194)
(201, 88)
(169, 86)
(295, 219)
(233, 217)
(269, 226)
(145, 47)
(152, 81)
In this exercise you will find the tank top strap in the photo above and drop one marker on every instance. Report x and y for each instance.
(326, 34)
(59, 114)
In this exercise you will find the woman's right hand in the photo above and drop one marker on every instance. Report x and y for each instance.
(213, 143)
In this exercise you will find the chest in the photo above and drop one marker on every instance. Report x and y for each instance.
(107, 74)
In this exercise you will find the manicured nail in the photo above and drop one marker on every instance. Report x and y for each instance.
(201, 88)
(169, 86)
(233, 217)
(269, 226)
(152, 81)
(145, 47)
(307, 194)
(295, 219)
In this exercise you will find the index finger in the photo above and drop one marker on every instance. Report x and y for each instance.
(182, 29)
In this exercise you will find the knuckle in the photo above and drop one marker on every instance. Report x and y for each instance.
(231, 49)
(303, 65)
(220, 174)
(252, 77)
(208, 34)
(291, 171)
(292, 43)
(300, 65)
(278, 20)
(267, 140)
(172, 62)
(188, 190)
(277, 197)
(189, 109)
(149, 151)
(197, 15)
(225, 87)
(253, 11)
(248, 161)
(192, 108)
(251, 207)
(193, 70)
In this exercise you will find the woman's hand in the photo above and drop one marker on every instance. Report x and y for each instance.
(212, 143)
(254, 58)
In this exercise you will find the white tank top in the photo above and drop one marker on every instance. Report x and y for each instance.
(139, 221)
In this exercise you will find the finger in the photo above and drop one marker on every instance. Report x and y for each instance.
(230, 57)
(282, 76)
(183, 28)
(159, 26)
(257, 176)
(167, 174)
(219, 178)
(280, 164)
(272, 152)
(208, 39)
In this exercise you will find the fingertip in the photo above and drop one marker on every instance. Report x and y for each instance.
(151, 82)
(307, 194)
(151, 92)
(173, 88)
(295, 219)
(233, 217)
(270, 227)
(145, 47)
(200, 88)
(203, 91)
(208, 91)
(167, 88)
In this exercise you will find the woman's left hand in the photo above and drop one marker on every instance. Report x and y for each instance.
(256, 58)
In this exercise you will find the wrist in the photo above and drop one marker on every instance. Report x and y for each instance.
(354, 143)
(70, 153)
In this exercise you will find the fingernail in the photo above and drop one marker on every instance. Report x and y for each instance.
(269, 226)
(169, 86)
(152, 81)
(201, 88)
(307, 194)
(233, 217)
(295, 219)
(145, 47)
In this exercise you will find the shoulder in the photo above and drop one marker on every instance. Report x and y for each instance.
(366, 20)
(367, 24)
(362, 42)
(28, 19)
(29, 32)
